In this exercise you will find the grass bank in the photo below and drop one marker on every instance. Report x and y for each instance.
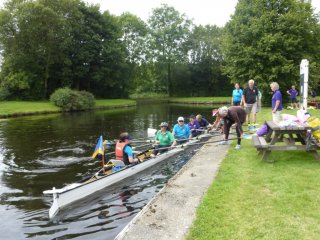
(22, 108)
(201, 100)
(251, 199)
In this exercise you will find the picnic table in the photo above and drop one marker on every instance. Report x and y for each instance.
(284, 138)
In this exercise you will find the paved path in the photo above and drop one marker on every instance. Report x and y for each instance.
(171, 212)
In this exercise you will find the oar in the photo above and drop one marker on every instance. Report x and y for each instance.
(151, 132)
(192, 144)
(133, 148)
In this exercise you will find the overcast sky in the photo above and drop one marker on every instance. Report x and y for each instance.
(201, 11)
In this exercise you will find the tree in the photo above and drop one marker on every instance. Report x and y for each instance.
(64, 43)
(266, 40)
(169, 32)
(134, 37)
(31, 39)
(206, 61)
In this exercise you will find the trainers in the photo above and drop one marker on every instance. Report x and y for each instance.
(237, 147)
(223, 142)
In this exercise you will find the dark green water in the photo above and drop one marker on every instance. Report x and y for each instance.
(39, 152)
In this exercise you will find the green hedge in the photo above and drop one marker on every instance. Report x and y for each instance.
(72, 100)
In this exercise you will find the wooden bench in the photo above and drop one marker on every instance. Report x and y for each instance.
(259, 142)
(261, 145)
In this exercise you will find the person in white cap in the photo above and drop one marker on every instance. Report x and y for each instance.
(181, 131)
(231, 116)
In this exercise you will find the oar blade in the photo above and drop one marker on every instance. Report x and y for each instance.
(151, 132)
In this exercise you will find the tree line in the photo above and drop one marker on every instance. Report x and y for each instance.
(46, 45)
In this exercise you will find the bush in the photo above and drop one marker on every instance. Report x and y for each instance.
(72, 100)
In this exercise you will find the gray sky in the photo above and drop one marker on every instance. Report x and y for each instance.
(201, 11)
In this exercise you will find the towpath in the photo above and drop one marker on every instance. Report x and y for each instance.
(170, 214)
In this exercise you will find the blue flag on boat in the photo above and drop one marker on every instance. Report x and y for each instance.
(99, 148)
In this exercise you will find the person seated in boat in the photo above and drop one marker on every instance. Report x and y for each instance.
(124, 150)
(202, 121)
(194, 126)
(181, 131)
(164, 139)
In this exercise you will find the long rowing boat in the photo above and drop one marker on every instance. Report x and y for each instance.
(118, 171)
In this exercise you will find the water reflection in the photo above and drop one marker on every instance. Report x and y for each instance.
(39, 152)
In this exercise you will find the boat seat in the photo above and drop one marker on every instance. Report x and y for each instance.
(117, 163)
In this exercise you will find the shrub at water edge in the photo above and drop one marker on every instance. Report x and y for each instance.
(71, 100)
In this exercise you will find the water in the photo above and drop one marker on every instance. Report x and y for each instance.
(39, 152)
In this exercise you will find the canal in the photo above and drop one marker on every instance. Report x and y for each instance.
(41, 152)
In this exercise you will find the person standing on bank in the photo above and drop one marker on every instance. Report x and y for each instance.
(231, 116)
(236, 95)
(276, 102)
(250, 101)
(293, 97)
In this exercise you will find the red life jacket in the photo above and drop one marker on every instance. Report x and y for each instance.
(120, 154)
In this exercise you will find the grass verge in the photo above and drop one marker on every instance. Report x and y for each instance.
(251, 199)
(201, 100)
(21, 108)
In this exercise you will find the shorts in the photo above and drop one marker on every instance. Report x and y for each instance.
(294, 100)
(236, 103)
(251, 108)
(276, 116)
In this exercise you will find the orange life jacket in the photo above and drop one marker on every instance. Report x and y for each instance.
(120, 154)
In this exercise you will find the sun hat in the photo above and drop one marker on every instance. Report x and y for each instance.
(223, 111)
(180, 119)
(214, 112)
(192, 116)
(164, 124)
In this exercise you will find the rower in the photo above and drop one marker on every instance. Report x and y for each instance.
(202, 121)
(181, 131)
(124, 150)
(164, 140)
(194, 126)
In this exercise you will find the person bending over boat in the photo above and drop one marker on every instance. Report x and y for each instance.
(164, 139)
(181, 131)
(194, 126)
(230, 116)
(217, 125)
(124, 150)
(202, 121)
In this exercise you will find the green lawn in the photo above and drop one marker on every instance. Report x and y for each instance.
(201, 100)
(114, 102)
(251, 199)
(19, 108)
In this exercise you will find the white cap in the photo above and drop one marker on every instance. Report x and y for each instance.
(180, 119)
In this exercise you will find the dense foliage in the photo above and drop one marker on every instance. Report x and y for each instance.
(266, 41)
(71, 100)
(47, 45)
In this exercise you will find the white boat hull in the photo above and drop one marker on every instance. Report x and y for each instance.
(76, 191)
